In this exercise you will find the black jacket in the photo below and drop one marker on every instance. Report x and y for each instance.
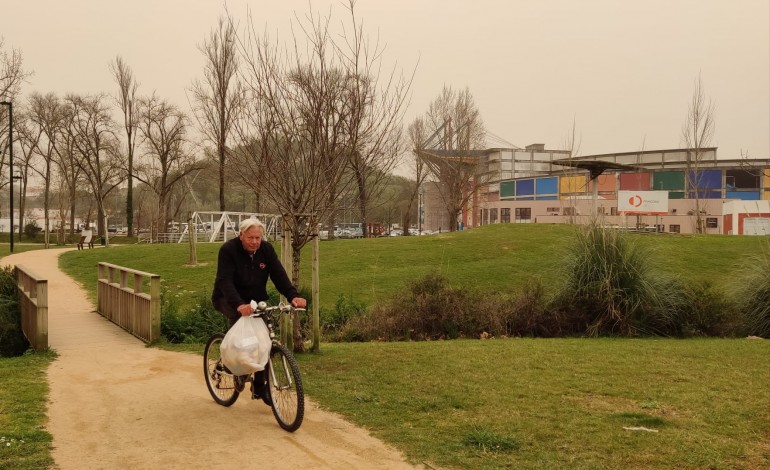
(242, 278)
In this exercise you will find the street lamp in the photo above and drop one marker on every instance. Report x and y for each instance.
(10, 161)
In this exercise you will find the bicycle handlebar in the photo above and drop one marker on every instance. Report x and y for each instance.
(262, 307)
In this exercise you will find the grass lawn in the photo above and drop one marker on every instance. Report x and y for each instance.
(497, 257)
(556, 403)
(503, 403)
(24, 443)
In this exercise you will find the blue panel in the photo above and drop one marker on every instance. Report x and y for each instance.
(546, 198)
(525, 187)
(525, 198)
(744, 195)
(547, 186)
(706, 179)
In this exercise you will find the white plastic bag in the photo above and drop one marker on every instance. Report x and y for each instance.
(246, 346)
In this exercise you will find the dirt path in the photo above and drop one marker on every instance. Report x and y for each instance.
(116, 404)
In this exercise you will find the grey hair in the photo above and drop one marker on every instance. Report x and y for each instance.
(251, 222)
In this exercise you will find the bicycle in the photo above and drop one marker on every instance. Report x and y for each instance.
(284, 384)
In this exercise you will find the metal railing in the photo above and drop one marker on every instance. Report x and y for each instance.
(33, 302)
(130, 299)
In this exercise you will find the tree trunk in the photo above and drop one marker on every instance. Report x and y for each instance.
(299, 345)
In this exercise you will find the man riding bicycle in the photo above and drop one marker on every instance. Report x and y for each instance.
(243, 267)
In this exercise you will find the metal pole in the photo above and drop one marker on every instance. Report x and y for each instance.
(10, 163)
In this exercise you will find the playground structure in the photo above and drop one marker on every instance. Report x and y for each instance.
(214, 227)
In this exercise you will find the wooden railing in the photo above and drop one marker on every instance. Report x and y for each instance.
(33, 302)
(130, 299)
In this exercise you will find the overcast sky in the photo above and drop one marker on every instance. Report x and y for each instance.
(623, 70)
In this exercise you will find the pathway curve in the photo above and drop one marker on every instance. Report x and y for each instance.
(115, 403)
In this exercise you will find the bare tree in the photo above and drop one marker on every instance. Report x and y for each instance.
(46, 114)
(219, 98)
(376, 106)
(29, 136)
(697, 131)
(451, 152)
(12, 75)
(417, 138)
(94, 142)
(163, 128)
(69, 172)
(127, 102)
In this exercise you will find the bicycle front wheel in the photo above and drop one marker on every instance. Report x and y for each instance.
(220, 382)
(285, 388)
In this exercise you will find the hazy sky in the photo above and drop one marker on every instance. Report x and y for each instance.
(623, 70)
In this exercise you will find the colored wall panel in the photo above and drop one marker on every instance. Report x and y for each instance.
(706, 179)
(675, 195)
(767, 178)
(547, 185)
(743, 195)
(668, 180)
(606, 183)
(525, 187)
(546, 198)
(635, 181)
(572, 184)
(507, 189)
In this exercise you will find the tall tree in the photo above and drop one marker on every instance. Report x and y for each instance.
(451, 152)
(417, 140)
(697, 131)
(12, 75)
(29, 136)
(163, 128)
(219, 98)
(127, 102)
(95, 144)
(376, 105)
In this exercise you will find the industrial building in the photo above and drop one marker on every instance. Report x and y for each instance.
(536, 185)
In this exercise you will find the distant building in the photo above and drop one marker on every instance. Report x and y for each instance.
(533, 185)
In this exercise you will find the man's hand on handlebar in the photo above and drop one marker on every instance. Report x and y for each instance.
(298, 302)
(245, 310)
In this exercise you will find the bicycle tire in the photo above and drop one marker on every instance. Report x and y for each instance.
(285, 388)
(220, 382)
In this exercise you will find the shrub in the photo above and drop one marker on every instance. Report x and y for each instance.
(31, 229)
(191, 326)
(755, 298)
(12, 339)
(612, 289)
(432, 309)
(707, 311)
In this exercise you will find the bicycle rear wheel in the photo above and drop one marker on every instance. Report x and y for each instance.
(285, 388)
(220, 382)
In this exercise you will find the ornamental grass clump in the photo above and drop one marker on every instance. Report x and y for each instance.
(756, 298)
(612, 287)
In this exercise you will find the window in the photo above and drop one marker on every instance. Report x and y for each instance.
(673, 228)
(712, 222)
(493, 216)
(523, 213)
(600, 210)
(570, 211)
(552, 209)
(483, 217)
(614, 211)
(505, 215)
(660, 228)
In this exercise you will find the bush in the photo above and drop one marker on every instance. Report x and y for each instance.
(12, 339)
(755, 298)
(432, 309)
(612, 289)
(707, 311)
(195, 325)
(31, 229)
